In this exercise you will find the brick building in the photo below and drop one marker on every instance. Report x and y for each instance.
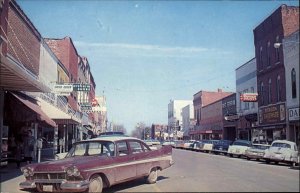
(202, 99)
(271, 72)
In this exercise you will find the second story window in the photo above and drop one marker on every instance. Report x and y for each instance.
(294, 84)
(278, 88)
(270, 91)
(277, 50)
(262, 93)
(269, 55)
(261, 58)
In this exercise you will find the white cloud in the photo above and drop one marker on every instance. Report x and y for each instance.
(144, 49)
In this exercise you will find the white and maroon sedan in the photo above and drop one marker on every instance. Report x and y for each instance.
(97, 163)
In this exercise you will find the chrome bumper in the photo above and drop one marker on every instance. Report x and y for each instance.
(65, 185)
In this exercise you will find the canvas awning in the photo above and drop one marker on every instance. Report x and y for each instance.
(37, 109)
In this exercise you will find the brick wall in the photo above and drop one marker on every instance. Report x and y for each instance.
(282, 22)
(66, 52)
(24, 43)
(3, 24)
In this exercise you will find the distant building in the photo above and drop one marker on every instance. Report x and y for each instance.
(175, 115)
(201, 99)
(187, 120)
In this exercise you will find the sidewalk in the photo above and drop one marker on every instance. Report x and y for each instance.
(11, 171)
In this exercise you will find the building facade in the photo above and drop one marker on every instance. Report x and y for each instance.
(187, 120)
(291, 62)
(271, 72)
(246, 82)
(200, 100)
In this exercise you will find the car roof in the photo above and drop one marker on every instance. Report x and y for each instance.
(112, 138)
(284, 141)
(260, 144)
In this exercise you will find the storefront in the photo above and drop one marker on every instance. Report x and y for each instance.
(246, 124)
(293, 127)
(272, 123)
(21, 114)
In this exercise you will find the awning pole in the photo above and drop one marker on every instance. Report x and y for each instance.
(1, 118)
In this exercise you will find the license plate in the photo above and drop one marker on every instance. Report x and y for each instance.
(48, 188)
(237, 151)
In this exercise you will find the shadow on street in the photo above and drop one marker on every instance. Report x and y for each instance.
(9, 172)
(130, 184)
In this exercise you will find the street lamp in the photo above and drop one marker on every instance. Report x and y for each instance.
(278, 44)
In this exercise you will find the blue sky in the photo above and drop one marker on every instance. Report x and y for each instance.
(144, 53)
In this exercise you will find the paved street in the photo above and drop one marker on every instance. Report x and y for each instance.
(201, 172)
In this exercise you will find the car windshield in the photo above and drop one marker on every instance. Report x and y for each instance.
(283, 145)
(262, 147)
(241, 143)
(92, 148)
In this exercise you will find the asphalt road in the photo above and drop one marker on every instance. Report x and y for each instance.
(203, 172)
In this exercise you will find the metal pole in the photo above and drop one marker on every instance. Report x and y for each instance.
(1, 118)
(39, 155)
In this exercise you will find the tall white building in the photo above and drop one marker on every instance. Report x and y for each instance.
(246, 82)
(291, 63)
(175, 113)
(187, 119)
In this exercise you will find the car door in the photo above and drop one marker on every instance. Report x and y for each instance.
(142, 158)
(125, 162)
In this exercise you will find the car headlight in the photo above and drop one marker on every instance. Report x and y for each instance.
(27, 171)
(72, 171)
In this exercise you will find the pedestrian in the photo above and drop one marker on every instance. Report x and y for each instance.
(18, 153)
(29, 143)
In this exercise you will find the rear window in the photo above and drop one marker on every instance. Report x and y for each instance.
(262, 147)
(282, 145)
(241, 143)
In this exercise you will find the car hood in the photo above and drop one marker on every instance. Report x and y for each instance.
(80, 162)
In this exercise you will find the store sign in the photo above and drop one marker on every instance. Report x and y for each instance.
(62, 88)
(231, 117)
(294, 114)
(249, 97)
(81, 87)
(272, 114)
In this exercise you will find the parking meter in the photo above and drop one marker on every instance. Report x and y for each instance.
(39, 146)
(39, 143)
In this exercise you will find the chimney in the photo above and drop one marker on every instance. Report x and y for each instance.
(219, 90)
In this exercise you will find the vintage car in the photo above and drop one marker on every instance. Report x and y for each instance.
(97, 163)
(256, 151)
(282, 151)
(221, 147)
(238, 148)
(205, 145)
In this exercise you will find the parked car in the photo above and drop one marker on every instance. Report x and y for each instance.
(207, 145)
(282, 151)
(221, 146)
(238, 148)
(172, 143)
(187, 144)
(93, 164)
(256, 151)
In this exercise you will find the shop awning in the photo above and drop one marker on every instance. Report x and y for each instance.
(206, 131)
(41, 115)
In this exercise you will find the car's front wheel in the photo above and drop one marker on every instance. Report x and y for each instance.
(96, 184)
(151, 179)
